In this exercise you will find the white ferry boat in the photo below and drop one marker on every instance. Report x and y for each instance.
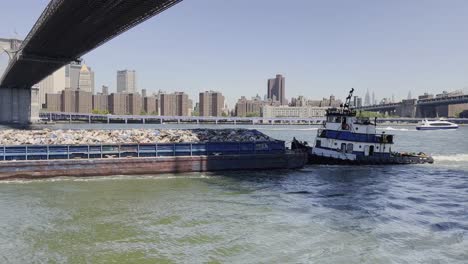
(436, 125)
(347, 139)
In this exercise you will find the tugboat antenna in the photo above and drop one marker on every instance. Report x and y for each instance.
(348, 99)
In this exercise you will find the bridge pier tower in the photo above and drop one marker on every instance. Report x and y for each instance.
(19, 105)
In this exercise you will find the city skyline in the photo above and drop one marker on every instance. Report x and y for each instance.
(323, 49)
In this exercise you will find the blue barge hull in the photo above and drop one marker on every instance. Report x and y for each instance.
(134, 159)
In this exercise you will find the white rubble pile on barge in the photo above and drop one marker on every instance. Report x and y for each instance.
(127, 136)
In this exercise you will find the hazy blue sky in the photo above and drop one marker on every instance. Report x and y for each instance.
(322, 47)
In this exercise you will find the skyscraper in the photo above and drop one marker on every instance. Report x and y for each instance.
(84, 81)
(374, 102)
(105, 90)
(211, 103)
(126, 81)
(66, 77)
(367, 100)
(73, 74)
(276, 89)
(52, 84)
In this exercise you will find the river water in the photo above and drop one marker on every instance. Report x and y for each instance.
(320, 214)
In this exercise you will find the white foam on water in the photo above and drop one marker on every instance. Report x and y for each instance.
(454, 157)
(396, 129)
(104, 178)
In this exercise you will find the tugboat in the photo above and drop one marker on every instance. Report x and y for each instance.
(347, 139)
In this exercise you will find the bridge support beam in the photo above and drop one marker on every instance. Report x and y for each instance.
(19, 106)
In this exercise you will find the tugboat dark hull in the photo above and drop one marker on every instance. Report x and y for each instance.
(392, 160)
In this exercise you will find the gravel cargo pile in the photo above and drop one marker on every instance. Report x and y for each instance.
(128, 136)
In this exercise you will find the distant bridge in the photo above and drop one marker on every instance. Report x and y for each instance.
(461, 99)
(66, 30)
(418, 108)
(381, 107)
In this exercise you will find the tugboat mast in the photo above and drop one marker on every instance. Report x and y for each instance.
(348, 100)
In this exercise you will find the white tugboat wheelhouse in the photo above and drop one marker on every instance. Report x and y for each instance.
(347, 137)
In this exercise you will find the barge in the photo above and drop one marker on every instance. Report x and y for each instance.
(348, 139)
(46, 161)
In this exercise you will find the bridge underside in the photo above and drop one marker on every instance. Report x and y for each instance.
(65, 31)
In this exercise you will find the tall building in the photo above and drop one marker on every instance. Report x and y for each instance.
(211, 103)
(76, 101)
(100, 102)
(84, 81)
(299, 101)
(134, 104)
(245, 107)
(73, 73)
(150, 105)
(374, 100)
(105, 90)
(53, 102)
(66, 77)
(175, 104)
(276, 89)
(367, 99)
(143, 92)
(126, 81)
(68, 101)
(83, 101)
(52, 84)
(357, 101)
(117, 103)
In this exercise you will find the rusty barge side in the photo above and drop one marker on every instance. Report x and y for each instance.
(37, 169)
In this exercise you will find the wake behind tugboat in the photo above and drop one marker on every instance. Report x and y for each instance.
(347, 139)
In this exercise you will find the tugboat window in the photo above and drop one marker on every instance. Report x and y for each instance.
(323, 133)
(349, 148)
(343, 147)
(318, 143)
(371, 150)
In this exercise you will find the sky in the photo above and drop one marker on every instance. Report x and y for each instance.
(321, 47)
